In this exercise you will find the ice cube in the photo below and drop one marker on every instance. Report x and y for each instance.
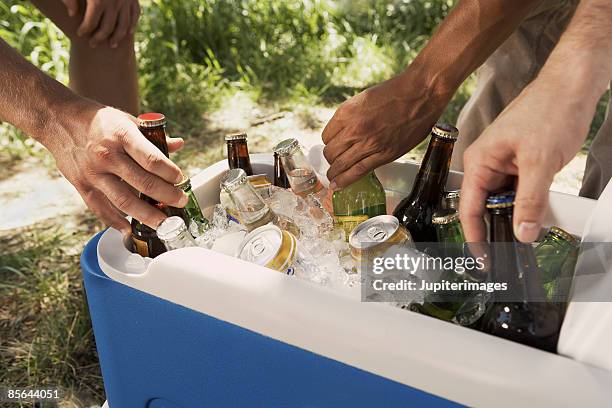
(228, 243)
(282, 201)
(219, 218)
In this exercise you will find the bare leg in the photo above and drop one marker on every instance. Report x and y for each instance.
(104, 74)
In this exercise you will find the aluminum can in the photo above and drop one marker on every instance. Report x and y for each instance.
(376, 235)
(271, 247)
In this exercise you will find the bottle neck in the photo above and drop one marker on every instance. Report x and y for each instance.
(238, 156)
(157, 136)
(513, 262)
(500, 227)
(431, 179)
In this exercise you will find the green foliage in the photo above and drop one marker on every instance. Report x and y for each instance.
(36, 37)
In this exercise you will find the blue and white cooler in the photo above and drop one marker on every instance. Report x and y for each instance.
(196, 328)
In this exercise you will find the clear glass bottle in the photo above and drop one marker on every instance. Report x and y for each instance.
(251, 209)
(354, 204)
(174, 234)
(302, 177)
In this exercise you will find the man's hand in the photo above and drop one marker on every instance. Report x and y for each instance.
(103, 154)
(537, 134)
(105, 20)
(386, 121)
(377, 126)
(543, 128)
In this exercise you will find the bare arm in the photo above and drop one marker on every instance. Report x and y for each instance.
(386, 121)
(543, 128)
(97, 148)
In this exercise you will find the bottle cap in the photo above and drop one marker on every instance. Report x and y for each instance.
(286, 147)
(151, 119)
(444, 217)
(501, 200)
(450, 199)
(184, 184)
(233, 179)
(452, 194)
(445, 131)
(171, 228)
(564, 235)
(235, 136)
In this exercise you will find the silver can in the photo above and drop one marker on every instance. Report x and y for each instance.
(271, 247)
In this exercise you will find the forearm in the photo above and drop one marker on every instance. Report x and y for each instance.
(467, 37)
(580, 66)
(31, 100)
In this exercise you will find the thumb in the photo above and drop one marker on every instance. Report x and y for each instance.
(531, 201)
(72, 6)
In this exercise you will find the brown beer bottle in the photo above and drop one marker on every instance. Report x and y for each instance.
(521, 312)
(280, 177)
(238, 152)
(146, 243)
(416, 210)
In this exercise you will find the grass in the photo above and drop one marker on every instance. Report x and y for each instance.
(194, 56)
(45, 331)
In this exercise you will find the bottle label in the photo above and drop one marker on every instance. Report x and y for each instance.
(349, 222)
(142, 248)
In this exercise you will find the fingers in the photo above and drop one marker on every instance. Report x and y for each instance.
(336, 147)
(124, 199)
(175, 144)
(356, 171)
(150, 157)
(531, 200)
(347, 161)
(480, 179)
(134, 15)
(472, 209)
(106, 28)
(122, 27)
(333, 127)
(72, 6)
(93, 14)
(148, 183)
(104, 210)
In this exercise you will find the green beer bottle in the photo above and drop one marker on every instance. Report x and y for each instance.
(449, 232)
(354, 204)
(556, 256)
(444, 304)
(197, 222)
(520, 313)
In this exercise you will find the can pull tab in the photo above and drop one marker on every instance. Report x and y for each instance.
(258, 247)
(377, 233)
